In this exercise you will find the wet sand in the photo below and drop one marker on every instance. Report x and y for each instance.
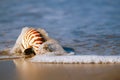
(23, 70)
(7, 70)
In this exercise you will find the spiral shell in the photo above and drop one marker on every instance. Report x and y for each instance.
(32, 39)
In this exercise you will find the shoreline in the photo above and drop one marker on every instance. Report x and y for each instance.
(37, 71)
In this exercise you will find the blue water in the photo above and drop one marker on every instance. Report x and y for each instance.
(88, 26)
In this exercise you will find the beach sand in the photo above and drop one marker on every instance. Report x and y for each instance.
(23, 70)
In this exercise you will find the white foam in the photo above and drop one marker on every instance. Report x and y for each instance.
(76, 59)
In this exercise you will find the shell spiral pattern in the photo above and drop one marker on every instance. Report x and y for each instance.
(32, 39)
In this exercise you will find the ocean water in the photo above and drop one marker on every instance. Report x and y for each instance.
(87, 26)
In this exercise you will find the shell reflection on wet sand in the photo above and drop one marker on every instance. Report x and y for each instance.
(37, 71)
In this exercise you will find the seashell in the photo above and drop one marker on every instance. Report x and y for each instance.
(32, 39)
(36, 41)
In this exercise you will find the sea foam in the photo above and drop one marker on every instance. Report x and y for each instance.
(76, 59)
